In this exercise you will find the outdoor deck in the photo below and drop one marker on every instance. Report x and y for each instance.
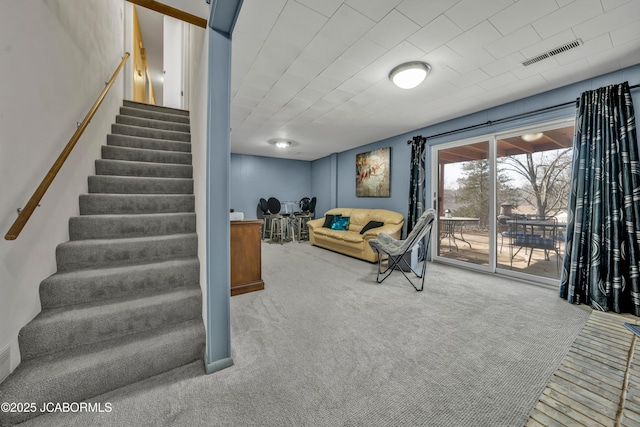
(479, 254)
(598, 382)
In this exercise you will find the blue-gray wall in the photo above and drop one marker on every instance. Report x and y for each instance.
(401, 152)
(253, 177)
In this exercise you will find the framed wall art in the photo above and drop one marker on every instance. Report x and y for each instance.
(373, 172)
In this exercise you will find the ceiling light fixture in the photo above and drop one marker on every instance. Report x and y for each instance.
(281, 143)
(530, 137)
(410, 74)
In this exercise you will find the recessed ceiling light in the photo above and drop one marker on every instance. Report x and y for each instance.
(410, 74)
(280, 143)
(530, 137)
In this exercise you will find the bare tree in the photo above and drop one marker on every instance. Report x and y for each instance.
(548, 178)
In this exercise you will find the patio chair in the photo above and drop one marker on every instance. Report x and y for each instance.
(394, 250)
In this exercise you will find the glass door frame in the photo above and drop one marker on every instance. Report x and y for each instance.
(492, 139)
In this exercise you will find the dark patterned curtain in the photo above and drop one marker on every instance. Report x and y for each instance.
(416, 185)
(602, 259)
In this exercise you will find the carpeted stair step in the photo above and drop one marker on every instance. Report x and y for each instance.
(152, 123)
(150, 133)
(85, 372)
(86, 286)
(137, 185)
(123, 226)
(156, 115)
(156, 108)
(148, 143)
(142, 169)
(63, 328)
(144, 155)
(104, 204)
(101, 253)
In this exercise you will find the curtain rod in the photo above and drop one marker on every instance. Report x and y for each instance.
(505, 119)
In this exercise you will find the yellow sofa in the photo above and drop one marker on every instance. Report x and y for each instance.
(351, 242)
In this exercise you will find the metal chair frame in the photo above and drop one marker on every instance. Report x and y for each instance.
(395, 257)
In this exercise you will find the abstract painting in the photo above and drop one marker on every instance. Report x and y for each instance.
(373, 171)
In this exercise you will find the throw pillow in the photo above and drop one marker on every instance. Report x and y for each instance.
(340, 223)
(370, 225)
(328, 220)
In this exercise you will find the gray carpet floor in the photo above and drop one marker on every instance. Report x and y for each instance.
(325, 345)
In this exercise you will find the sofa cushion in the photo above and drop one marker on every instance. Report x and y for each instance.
(328, 220)
(340, 223)
(370, 225)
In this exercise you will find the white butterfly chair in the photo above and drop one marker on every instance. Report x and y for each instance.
(393, 250)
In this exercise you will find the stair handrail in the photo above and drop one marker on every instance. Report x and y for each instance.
(33, 202)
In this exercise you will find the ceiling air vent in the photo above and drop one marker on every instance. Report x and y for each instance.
(553, 52)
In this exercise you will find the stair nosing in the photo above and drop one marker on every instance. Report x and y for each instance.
(182, 116)
(156, 109)
(153, 120)
(154, 129)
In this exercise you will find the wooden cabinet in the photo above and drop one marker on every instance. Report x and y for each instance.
(246, 257)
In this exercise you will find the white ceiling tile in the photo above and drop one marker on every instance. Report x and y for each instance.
(257, 20)
(589, 48)
(341, 69)
(568, 73)
(626, 34)
(526, 86)
(563, 3)
(573, 14)
(250, 92)
(435, 34)
(354, 86)
(364, 52)
(505, 64)
(521, 13)
(293, 81)
(259, 80)
(306, 67)
(441, 58)
(616, 18)
(311, 95)
(241, 101)
(523, 72)
(519, 39)
(392, 29)
(471, 60)
(325, 7)
(374, 9)
(495, 96)
(422, 12)
(545, 45)
(468, 13)
(625, 54)
(322, 106)
(474, 39)
(296, 26)
(324, 50)
(498, 81)
(612, 4)
(346, 26)
(469, 79)
(324, 84)
(381, 67)
(337, 96)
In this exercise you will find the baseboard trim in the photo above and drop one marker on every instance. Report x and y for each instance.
(218, 365)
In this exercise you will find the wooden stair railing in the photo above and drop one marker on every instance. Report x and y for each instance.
(31, 205)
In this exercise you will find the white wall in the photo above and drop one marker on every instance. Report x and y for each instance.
(199, 67)
(172, 62)
(55, 58)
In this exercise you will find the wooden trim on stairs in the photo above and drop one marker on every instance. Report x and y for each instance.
(31, 205)
(171, 11)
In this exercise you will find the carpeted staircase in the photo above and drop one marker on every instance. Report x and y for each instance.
(125, 303)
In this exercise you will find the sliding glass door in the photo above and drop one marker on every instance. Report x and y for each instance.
(464, 194)
(501, 201)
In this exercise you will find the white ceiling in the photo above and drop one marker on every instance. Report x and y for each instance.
(316, 71)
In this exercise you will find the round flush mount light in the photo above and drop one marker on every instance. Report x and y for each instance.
(530, 137)
(410, 74)
(280, 143)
